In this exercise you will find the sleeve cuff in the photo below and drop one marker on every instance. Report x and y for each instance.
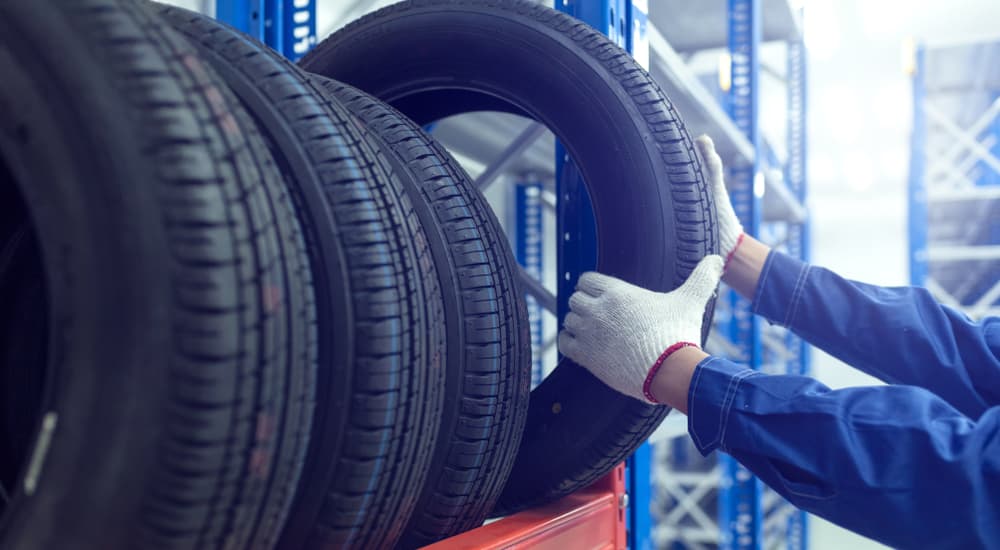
(710, 398)
(779, 289)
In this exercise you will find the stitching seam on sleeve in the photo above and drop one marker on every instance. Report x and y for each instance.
(760, 284)
(739, 380)
(691, 404)
(799, 284)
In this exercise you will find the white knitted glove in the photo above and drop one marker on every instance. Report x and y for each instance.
(622, 333)
(730, 230)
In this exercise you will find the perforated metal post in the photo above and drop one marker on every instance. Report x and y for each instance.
(528, 248)
(739, 493)
(244, 15)
(798, 234)
(577, 234)
(288, 26)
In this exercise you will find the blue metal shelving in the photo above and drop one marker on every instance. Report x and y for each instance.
(715, 502)
(624, 22)
(954, 191)
(739, 504)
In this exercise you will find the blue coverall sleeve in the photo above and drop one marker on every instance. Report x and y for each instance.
(894, 463)
(899, 335)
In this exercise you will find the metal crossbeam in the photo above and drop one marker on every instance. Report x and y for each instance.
(957, 175)
(985, 303)
(970, 193)
(521, 143)
(951, 154)
(955, 253)
(951, 128)
(983, 307)
(533, 287)
(941, 294)
(688, 499)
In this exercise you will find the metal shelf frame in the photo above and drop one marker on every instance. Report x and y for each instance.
(954, 181)
(660, 497)
(716, 502)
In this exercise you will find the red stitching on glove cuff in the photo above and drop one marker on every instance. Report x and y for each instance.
(729, 256)
(656, 367)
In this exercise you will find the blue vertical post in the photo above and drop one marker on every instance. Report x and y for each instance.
(739, 495)
(294, 27)
(528, 243)
(640, 490)
(917, 190)
(244, 15)
(795, 175)
(578, 238)
(640, 464)
(288, 26)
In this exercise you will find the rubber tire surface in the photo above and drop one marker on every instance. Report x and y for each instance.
(23, 329)
(181, 343)
(381, 309)
(437, 58)
(489, 350)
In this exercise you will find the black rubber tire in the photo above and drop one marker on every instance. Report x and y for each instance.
(489, 350)
(23, 329)
(181, 345)
(381, 311)
(437, 58)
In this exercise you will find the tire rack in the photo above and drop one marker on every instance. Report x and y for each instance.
(596, 515)
(954, 187)
(748, 515)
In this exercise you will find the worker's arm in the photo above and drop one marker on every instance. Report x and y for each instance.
(900, 335)
(894, 463)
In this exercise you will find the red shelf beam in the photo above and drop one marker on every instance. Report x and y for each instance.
(592, 518)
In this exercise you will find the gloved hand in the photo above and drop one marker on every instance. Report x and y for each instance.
(730, 230)
(622, 333)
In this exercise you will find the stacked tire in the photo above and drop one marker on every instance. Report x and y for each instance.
(246, 306)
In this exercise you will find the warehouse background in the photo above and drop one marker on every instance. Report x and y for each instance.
(859, 119)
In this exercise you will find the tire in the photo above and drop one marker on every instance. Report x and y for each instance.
(489, 351)
(381, 308)
(180, 347)
(23, 326)
(437, 58)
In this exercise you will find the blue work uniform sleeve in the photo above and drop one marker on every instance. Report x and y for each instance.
(899, 335)
(894, 463)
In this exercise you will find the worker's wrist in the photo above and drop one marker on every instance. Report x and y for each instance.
(669, 384)
(744, 267)
(734, 246)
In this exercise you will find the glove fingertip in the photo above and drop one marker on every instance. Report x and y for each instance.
(702, 282)
(704, 144)
(593, 283)
(567, 344)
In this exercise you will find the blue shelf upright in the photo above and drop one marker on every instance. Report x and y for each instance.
(288, 26)
(624, 21)
(740, 518)
(716, 502)
(529, 242)
(795, 528)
